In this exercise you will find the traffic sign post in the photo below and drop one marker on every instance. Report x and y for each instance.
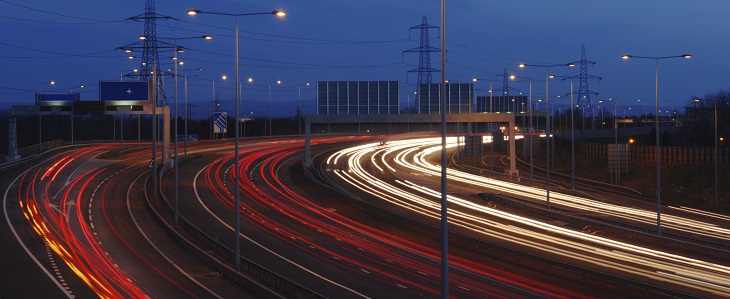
(220, 122)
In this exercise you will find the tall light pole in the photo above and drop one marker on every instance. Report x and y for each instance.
(615, 140)
(491, 144)
(235, 164)
(249, 81)
(175, 163)
(299, 105)
(185, 107)
(656, 128)
(176, 62)
(213, 105)
(547, 120)
(572, 137)
(40, 130)
(278, 82)
(714, 103)
(716, 158)
(444, 199)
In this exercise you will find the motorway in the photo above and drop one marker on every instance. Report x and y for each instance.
(402, 175)
(334, 254)
(77, 223)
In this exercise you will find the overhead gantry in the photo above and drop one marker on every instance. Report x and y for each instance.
(413, 118)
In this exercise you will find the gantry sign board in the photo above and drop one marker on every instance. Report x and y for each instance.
(56, 99)
(220, 122)
(125, 92)
(53, 103)
(126, 97)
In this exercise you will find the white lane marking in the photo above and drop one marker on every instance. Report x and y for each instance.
(65, 290)
(195, 188)
(169, 260)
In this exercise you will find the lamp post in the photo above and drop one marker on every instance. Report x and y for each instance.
(243, 119)
(235, 164)
(213, 104)
(656, 128)
(270, 104)
(185, 107)
(299, 105)
(716, 158)
(491, 144)
(615, 139)
(714, 104)
(444, 199)
(572, 137)
(40, 130)
(547, 120)
(177, 144)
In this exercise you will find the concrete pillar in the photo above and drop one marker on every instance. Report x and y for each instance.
(165, 112)
(512, 158)
(12, 140)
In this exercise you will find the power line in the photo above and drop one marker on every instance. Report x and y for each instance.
(54, 13)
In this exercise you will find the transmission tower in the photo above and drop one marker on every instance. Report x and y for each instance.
(505, 84)
(150, 64)
(584, 93)
(424, 53)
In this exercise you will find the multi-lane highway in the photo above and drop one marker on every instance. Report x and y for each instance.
(87, 234)
(78, 222)
(401, 175)
(335, 254)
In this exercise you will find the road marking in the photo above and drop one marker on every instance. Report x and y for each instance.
(64, 289)
(169, 260)
(200, 200)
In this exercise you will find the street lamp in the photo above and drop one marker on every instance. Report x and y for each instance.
(40, 130)
(491, 144)
(299, 105)
(615, 139)
(656, 126)
(714, 104)
(40, 85)
(278, 13)
(547, 119)
(175, 160)
(185, 106)
(213, 106)
(278, 82)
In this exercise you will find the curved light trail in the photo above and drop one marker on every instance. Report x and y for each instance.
(351, 166)
(349, 245)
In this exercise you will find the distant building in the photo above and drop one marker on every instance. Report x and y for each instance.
(357, 97)
(503, 104)
(458, 98)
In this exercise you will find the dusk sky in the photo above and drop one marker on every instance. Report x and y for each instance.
(74, 43)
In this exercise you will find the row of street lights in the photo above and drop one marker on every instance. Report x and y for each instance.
(656, 122)
(237, 175)
(656, 128)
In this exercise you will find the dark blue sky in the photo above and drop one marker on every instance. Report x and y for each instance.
(73, 43)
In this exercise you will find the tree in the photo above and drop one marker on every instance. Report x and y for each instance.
(700, 116)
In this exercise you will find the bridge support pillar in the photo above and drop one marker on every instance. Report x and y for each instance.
(12, 140)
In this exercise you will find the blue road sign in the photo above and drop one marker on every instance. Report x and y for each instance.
(47, 98)
(125, 90)
(220, 122)
(190, 137)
